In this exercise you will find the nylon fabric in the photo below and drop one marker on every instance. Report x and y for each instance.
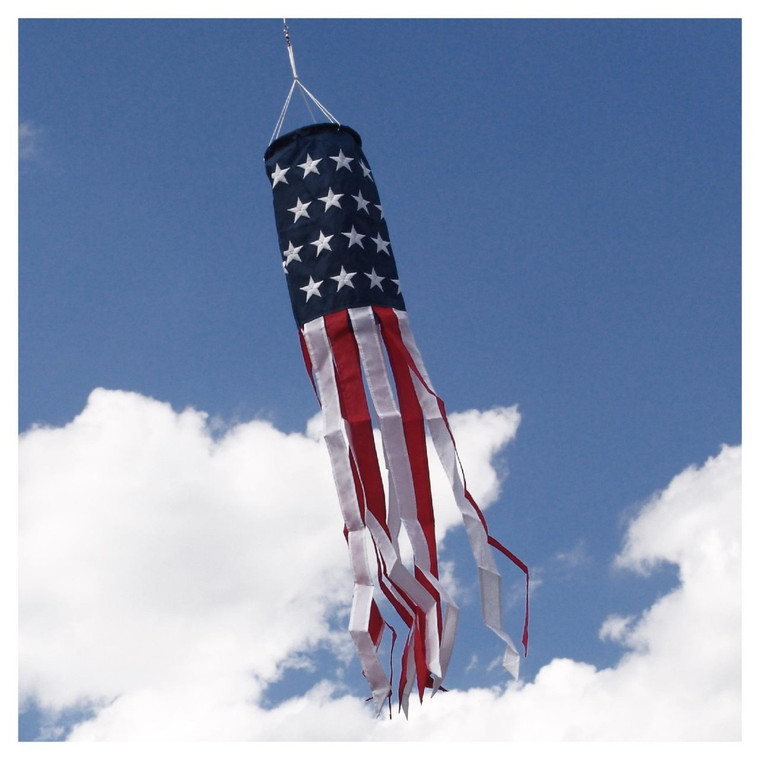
(366, 371)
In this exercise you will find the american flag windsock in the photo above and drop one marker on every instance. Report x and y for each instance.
(347, 301)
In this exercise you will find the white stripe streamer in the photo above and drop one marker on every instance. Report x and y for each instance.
(321, 357)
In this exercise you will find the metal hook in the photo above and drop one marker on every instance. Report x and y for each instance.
(290, 49)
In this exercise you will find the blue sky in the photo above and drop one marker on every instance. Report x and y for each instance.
(564, 202)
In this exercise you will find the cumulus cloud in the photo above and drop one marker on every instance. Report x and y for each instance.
(680, 677)
(167, 576)
(149, 552)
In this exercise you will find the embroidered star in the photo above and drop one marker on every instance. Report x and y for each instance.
(367, 171)
(380, 209)
(382, 245)
(312, 289)
(354, 238)
(342, 161)
(361, 204)
(375, 279)
(322, 242)
(290, 254)
(344, 278)
(300, 209)
(331, 199)
(310, 165)
(278, 175)
(398, 285)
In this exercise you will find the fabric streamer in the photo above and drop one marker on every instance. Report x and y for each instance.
(367, 372)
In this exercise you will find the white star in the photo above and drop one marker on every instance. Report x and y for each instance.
(300, 210)
(380, 208)
(398, 285)
(331, 199)
(344, 278)
(341, 161)
(322, 242)
(361, 204)
(354, 237)
(376, 280)
(382, 245)
(312, 289)
(310, 165)
(367, 171)
(278, 175)
(290, 254)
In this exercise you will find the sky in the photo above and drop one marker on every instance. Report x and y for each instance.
(564, 203)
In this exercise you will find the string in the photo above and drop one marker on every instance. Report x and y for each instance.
(302, 89)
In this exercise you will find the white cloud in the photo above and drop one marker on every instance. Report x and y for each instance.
(167, 576)
(152, 555)
(680, 678)
(615, 628)
(28, 141)
(168, 573)
(574, 557)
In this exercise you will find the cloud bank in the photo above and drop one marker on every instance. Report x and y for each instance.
(169, 574)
